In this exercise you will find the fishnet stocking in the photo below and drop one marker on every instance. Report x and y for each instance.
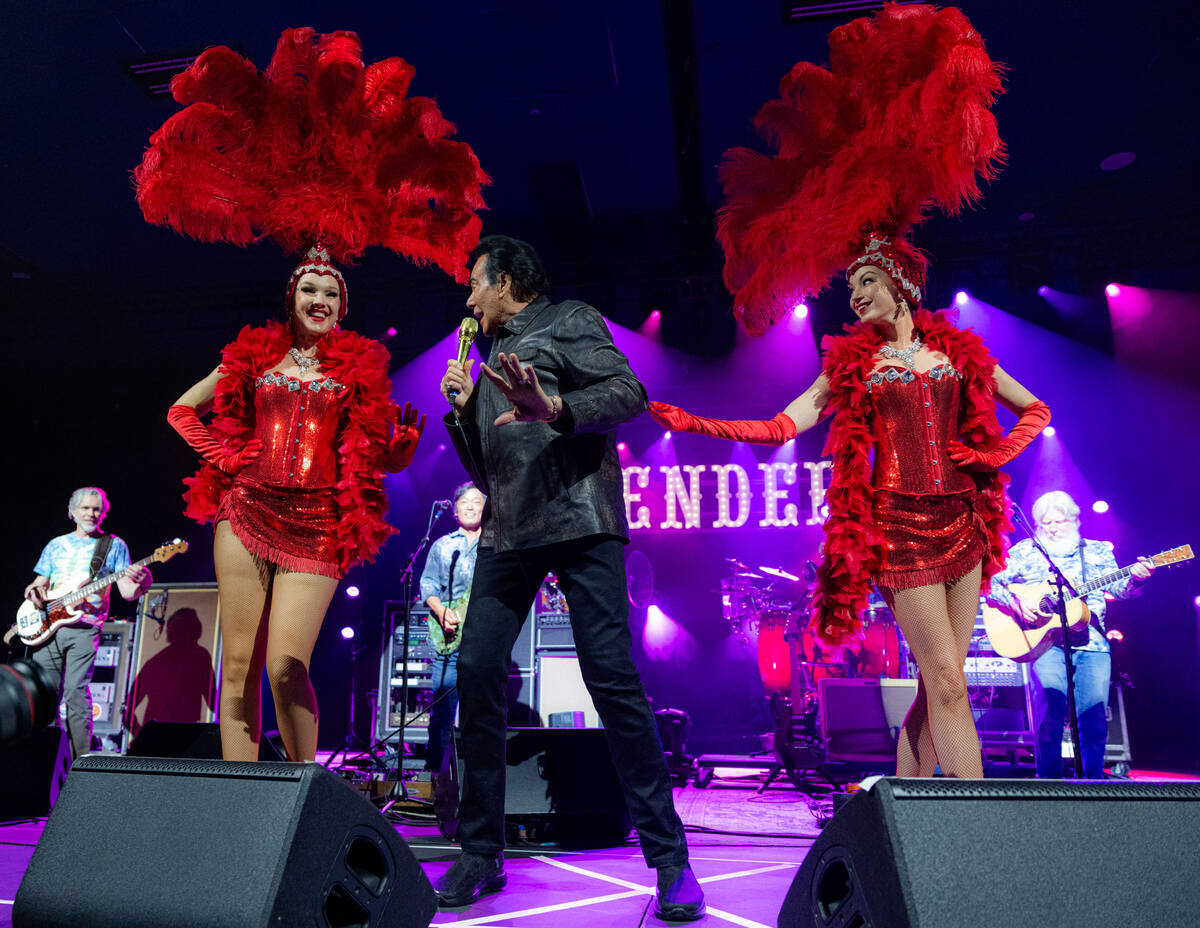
(270, 618)
(939, 730)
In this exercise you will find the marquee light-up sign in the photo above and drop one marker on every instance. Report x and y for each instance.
(727, 498)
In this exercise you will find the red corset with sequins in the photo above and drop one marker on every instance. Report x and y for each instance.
(297, 422)
(914, 416)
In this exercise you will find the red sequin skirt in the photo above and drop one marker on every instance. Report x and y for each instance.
(291, 527)
(927, 539)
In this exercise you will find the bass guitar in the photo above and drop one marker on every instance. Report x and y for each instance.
(1023, 641)
(67, 604)
(447, 643)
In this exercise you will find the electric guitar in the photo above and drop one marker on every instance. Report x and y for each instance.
(1013, 637)
(67, 603)
(442, 642)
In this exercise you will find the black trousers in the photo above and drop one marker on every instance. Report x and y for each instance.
(591, 573)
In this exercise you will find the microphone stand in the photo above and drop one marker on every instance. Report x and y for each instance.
(1063, 586)
(407, 575)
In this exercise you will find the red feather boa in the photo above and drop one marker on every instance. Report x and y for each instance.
(851, 538)
(359, 363)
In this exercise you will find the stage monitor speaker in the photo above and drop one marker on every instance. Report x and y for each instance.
(564, 779)
(220, 845)
(193, 740)
(34, 770)
(943, 853)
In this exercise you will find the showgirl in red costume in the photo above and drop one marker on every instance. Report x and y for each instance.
(318, 148)
(916, 501)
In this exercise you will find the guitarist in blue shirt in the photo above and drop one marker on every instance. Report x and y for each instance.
(1056, 517)
(445, 588)
(71, 559)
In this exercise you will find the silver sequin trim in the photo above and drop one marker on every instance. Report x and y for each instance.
(891, 375)
(871, 256)
(313, 386)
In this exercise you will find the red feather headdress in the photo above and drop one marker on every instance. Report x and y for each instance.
(900, 122)
(318, 148)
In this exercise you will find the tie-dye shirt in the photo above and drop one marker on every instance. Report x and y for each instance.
(1026, 565)
(69, 557)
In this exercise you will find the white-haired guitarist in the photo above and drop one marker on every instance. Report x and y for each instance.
(1056, 518)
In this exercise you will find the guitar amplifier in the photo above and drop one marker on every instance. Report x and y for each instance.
(554, 632)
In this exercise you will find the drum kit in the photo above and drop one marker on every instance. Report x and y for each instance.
(768, 607)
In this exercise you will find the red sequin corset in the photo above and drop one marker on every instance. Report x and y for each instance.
(297, 422)
(915, 415)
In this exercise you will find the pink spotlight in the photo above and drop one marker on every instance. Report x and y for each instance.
(1112, 290)
(352, 592)
(661, 634)
(652, 326)
(800, 310)
(1195, 602)
(961, 298)
(1099, 506)
(391, 331)
(1050, 431)
(622, 447)
(347, 632)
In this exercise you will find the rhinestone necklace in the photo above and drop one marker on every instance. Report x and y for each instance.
(305, 364)
(905, 357)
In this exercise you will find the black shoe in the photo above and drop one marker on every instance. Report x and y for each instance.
(680, 898)
(471, 876)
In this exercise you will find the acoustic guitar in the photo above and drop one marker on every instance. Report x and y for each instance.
(1013, 637)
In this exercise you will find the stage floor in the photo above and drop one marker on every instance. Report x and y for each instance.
(745, 850)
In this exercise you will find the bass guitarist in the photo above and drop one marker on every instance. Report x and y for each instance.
(1056, 518)
(72, 559)
(445, 586)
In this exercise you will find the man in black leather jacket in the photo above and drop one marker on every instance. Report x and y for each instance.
(537, 434)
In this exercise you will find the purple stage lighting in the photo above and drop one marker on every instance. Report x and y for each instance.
(1112, 290)
(622, 447)
(1195, 602)
(1043, 290)
(1099, 506)
(800, 310)
(347, 632)
(352, 592)
(391, 331)
(667, 436)
(961, 298)
(1049, 431)
(1118, 160)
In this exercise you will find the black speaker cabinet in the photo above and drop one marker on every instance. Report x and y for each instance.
(944, 853)
(194, 740)
(561, 782)
(220, 845)
(32, 772)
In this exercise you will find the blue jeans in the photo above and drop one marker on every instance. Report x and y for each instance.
(1092, 672)
(441, 715)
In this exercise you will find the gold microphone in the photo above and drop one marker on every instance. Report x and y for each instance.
(466, 335)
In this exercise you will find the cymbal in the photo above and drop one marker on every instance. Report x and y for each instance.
(778, 572)
(748, 574)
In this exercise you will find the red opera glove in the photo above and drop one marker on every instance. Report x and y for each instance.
(405, 437)
(183, 419)
(1034, 418)
(775, 431)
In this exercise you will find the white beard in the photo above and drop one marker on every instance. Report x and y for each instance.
(1062, 547)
